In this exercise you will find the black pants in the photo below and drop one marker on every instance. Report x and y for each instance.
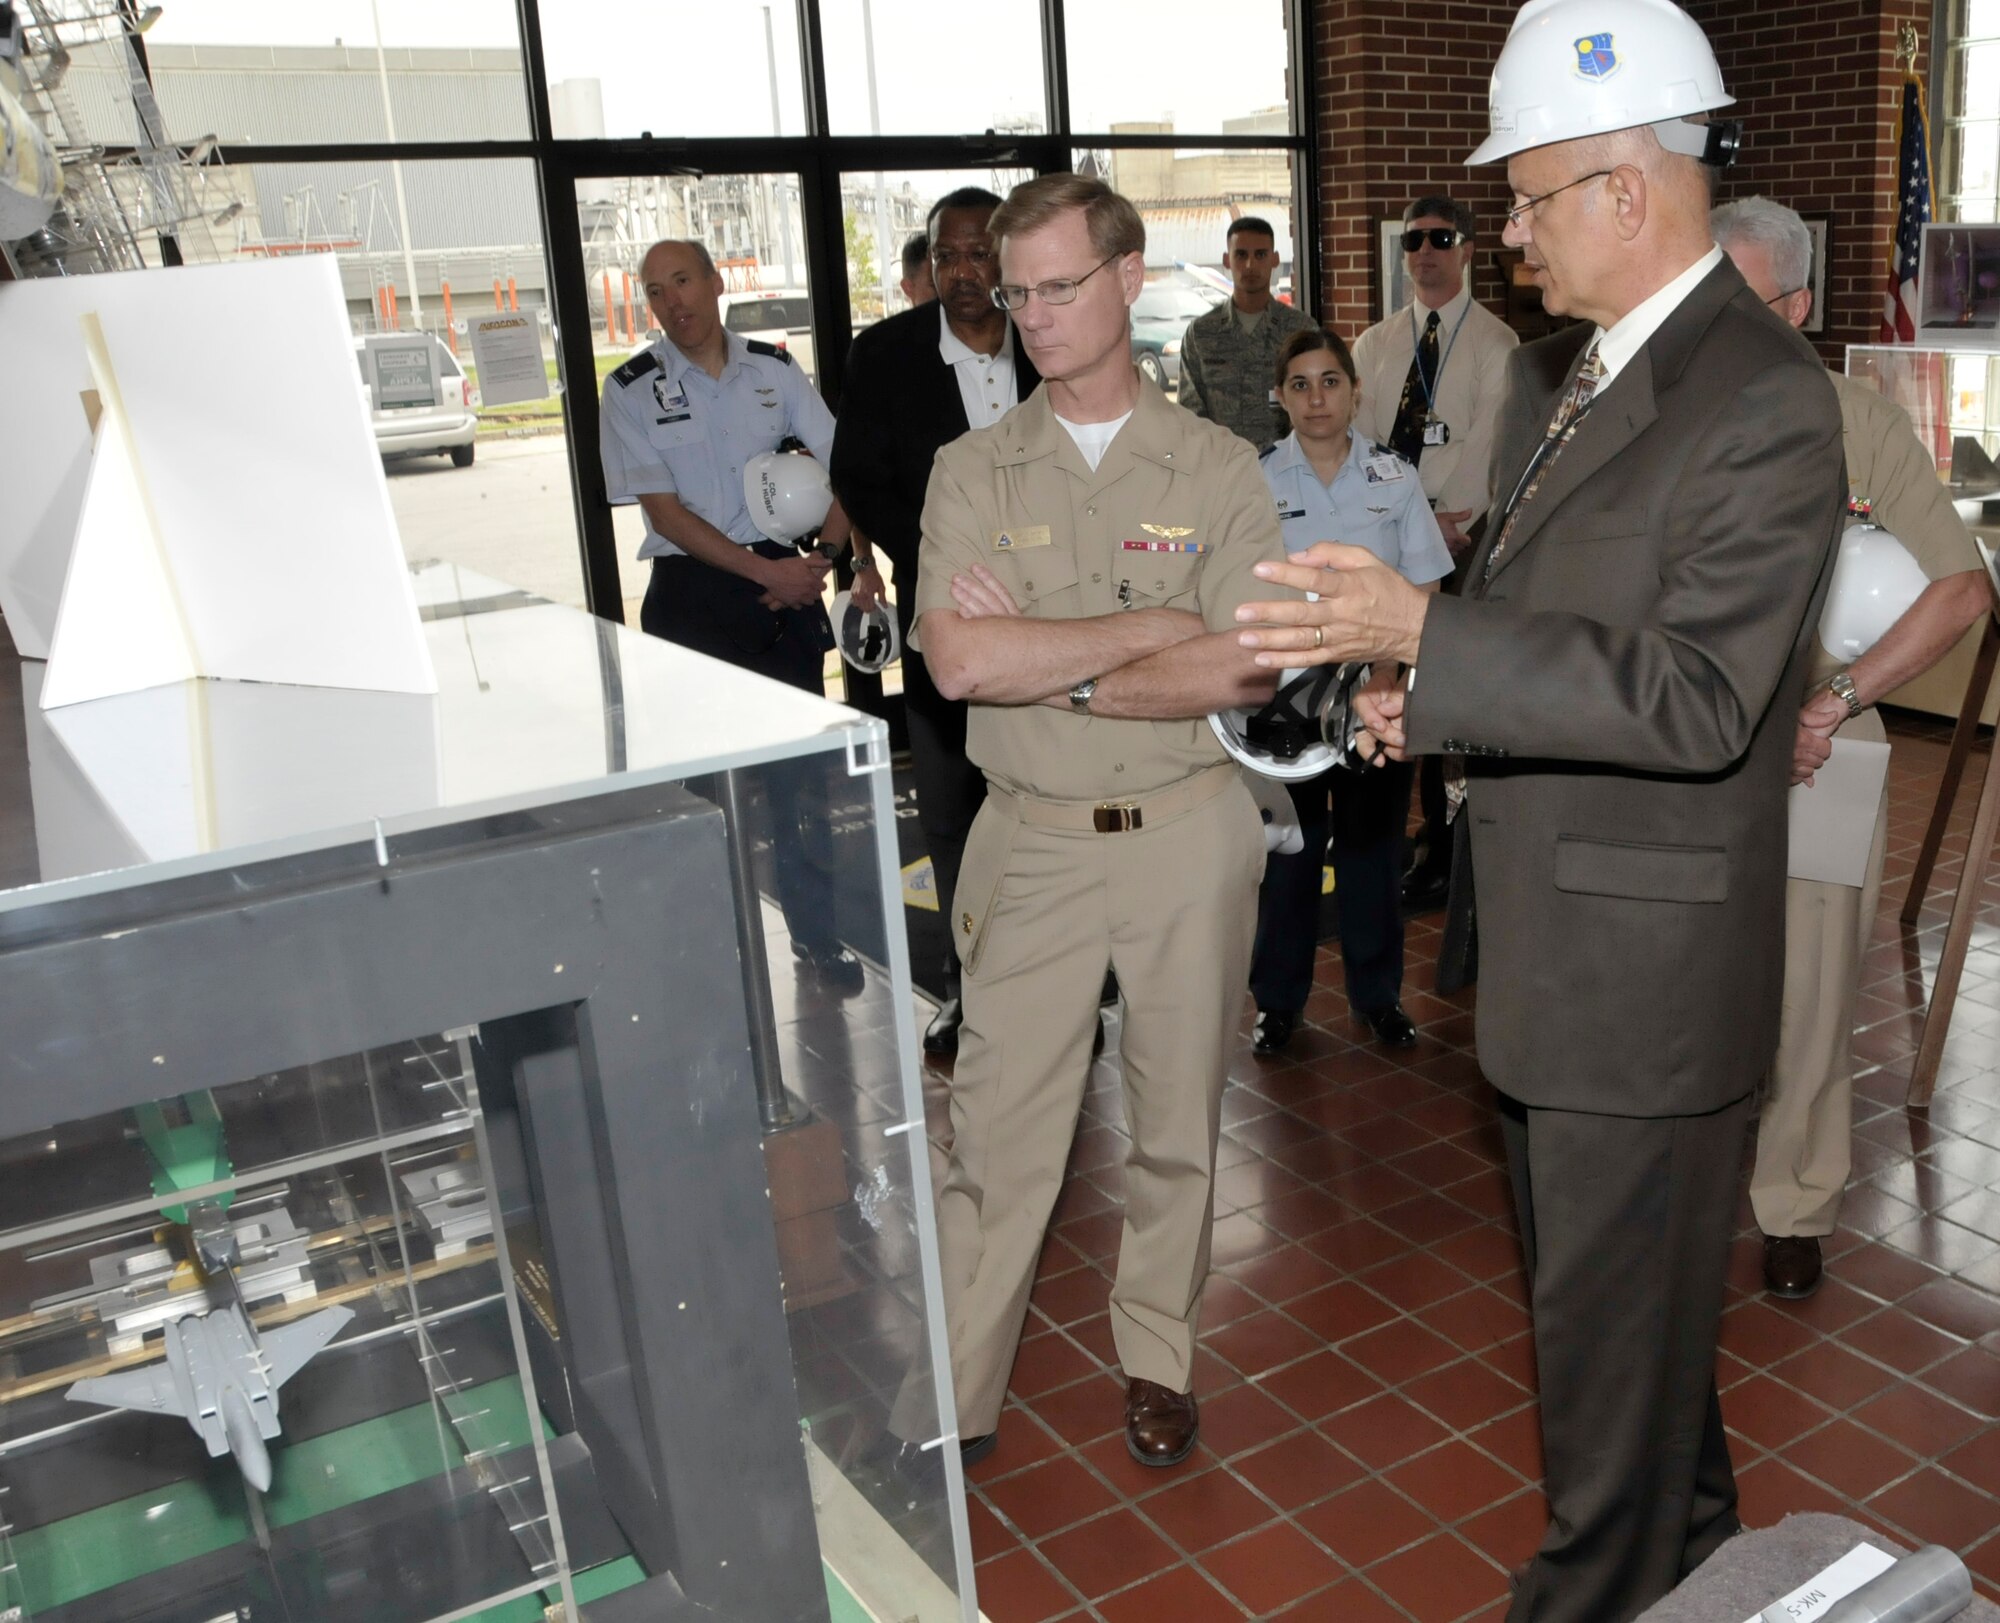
(717, 613)
(950, 789)
(1625, 1222)
(1366, 811)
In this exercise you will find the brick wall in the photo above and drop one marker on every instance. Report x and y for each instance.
(1402, 99)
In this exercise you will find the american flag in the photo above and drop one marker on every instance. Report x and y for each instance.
(1913, 183)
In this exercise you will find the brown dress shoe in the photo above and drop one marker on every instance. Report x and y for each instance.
(1791, 1265)
(1160, 1424)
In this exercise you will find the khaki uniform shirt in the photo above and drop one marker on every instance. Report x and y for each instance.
(1888, 467)
(1471, 389)
(1071, 544)
(1227, 374)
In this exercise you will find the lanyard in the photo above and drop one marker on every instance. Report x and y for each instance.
(1417, 342)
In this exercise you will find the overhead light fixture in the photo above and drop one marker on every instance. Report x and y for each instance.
(202, 150)
(146, 20)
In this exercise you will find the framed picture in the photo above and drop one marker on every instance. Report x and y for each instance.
(1821, 227)
(1958, 283)
(1395, 279)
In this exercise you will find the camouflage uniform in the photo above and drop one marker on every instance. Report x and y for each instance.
(1227, 373)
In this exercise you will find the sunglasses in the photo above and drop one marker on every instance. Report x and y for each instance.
(1441, 237)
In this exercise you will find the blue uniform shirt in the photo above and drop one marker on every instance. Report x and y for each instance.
(1375, 501)
(670, 429)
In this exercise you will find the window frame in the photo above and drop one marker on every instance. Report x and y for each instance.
(818, 159)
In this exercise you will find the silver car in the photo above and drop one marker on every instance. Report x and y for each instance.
(420, 402)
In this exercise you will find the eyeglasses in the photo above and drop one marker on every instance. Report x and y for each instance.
(1440, 237)
(1521, 210)
(1779, 298)
(1062, 290)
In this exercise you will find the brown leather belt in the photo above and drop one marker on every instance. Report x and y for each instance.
(1116, 816)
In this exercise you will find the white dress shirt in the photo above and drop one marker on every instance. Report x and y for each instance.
(985, 382)
(1629, 334)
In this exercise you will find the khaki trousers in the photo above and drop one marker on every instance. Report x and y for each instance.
(1172, 907)
(1804, 1125)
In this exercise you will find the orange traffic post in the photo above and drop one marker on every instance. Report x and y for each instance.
(382, 308)
(497, 305)
(395, 310)
(450, 332)
(631, 325)
(513, 303)
(610, 313)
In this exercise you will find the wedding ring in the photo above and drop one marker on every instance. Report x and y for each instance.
(1319, 636)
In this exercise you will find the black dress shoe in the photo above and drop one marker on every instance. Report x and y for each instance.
(941, 1035)
(1391, 1026)
(837, 968)
(1274, 1031)
(971, 1450)
(1791, 1265)
(1161, 1425)
(1425, 891)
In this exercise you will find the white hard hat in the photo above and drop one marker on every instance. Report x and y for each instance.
(788, 495)
(1287, 738)
(1572, 68)
(867, 638)
(1875, 580)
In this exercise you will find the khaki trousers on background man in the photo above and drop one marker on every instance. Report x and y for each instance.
(1804, 1126)
(1041, 911)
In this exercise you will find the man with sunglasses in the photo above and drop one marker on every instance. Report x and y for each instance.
(1433, 378)
(1621, 678)
(1081, 566)
(1805, 1123)
(1229, 354)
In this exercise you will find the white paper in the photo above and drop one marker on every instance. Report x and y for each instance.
(265, 489)
(1833, 818)
(1816, 1596)
(507, 354)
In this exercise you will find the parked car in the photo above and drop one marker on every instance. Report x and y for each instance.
(1159, 317)
(420, 402)
(779, 316)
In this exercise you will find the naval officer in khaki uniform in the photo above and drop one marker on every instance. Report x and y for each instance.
(1081, 565)
(1805, 1123)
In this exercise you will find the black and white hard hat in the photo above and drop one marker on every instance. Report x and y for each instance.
(1307, 726)
(867, 638)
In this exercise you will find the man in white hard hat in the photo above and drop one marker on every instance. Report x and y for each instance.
(1621, 678)
(681, 420)
(1805, 1120)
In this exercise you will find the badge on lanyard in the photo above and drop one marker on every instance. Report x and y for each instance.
(1436, 432)
(1383, 468)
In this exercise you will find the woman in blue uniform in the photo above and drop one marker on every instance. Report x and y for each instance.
(1332, 484)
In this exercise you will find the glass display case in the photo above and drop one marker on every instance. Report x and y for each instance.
(434, 1182)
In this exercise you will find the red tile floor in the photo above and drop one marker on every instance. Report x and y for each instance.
(1369, 1439)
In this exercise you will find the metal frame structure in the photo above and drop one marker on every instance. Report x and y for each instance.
(818, 159)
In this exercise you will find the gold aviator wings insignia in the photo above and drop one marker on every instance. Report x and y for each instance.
(1167, 532)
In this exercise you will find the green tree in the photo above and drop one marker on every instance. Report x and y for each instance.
(860, 236)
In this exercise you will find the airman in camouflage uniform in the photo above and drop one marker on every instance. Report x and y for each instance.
(1229, 357)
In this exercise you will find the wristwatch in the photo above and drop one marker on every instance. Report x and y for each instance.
(860, 563)
(1079, 696)
(1842, 688)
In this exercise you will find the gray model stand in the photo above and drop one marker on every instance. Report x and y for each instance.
(1755, 1568)
(593, 943)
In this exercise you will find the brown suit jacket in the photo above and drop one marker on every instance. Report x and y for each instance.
(1626, 690)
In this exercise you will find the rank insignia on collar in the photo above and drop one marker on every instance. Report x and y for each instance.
(1168, 532)
(1595, 59)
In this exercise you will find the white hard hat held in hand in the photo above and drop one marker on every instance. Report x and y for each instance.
(1875, 580)
(788, 494)
(1574, 68)
(867, 638)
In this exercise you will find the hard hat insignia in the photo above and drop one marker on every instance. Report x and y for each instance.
(1595, 59)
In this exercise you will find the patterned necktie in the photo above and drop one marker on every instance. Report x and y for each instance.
(1406, 436)
(1569, 412)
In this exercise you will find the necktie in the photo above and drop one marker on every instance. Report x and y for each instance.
(1406, 436)
(1569, 412)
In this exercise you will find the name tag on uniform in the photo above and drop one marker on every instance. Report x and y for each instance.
(674, 406)
(1021, 538)
(1285, 512)
(1383, 469)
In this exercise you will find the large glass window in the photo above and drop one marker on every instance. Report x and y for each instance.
(622, 68)
(881, 212)
(1972, 124)
(1177, 65)
(899, 67)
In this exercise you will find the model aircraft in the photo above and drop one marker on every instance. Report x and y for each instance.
(1973, 474)
(222, 1378)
